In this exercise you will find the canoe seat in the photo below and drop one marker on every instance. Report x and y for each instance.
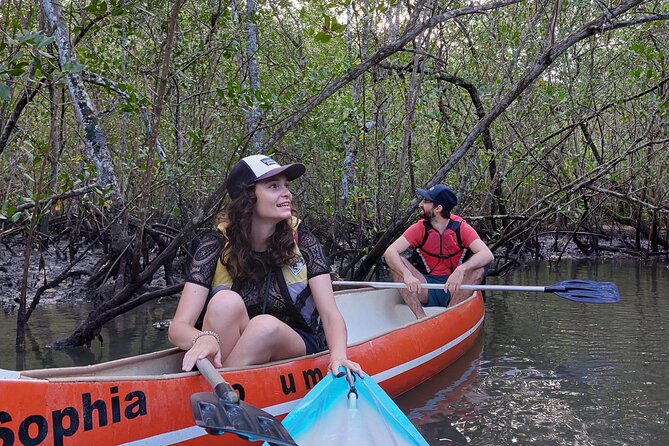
(375, 312)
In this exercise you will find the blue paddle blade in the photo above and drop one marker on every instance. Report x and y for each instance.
(326, 416)
(588, 291)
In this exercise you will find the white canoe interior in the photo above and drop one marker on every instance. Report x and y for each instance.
(369, 313)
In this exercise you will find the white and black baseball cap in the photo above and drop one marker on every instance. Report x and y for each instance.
(254, 168)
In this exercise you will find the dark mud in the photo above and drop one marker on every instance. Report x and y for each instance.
(44, 266)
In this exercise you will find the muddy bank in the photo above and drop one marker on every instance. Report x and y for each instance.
(44, 266)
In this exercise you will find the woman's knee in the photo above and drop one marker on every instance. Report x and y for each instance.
(274, 337)
(226, 304)
(264, 327)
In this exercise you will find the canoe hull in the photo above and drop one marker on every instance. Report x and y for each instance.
(155, 409)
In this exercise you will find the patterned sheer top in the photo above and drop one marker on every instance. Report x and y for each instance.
(266, 297)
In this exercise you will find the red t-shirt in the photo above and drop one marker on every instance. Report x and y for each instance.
(440, 243)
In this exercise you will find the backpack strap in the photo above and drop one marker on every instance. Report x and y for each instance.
(455, 227)
(427, 226)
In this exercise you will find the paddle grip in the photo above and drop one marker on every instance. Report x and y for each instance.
(351, 383)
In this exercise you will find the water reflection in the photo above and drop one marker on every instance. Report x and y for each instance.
(443, 407)
(130, 334)
(553, 371)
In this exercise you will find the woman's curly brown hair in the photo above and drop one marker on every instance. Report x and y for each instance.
(238, 257)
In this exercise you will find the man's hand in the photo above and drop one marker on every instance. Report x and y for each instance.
(454, 281)
(411, 281)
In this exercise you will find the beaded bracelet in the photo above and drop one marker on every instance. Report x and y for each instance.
(206, 333)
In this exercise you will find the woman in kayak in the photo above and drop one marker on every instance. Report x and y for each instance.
(259, 287)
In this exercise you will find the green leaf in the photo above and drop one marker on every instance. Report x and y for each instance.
(129, 108)
(73, 68)
(45, 41)
(28, 37)
(323, 37)
(16, 71)
(337, 27)
(194, 136)
(11, 210)
(638, 47)
(92, 7)
(5, 92)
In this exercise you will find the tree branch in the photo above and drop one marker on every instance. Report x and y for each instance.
(410, 34)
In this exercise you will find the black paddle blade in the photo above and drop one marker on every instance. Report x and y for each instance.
(587, 291)
(245, 420)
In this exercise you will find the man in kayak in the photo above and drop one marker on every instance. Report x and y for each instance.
(439, 241)
(259, 286)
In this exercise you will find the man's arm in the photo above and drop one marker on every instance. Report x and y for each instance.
(467, 270)
(394, 260)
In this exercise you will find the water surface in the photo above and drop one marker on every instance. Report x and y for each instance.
(546, 371)
(127, 335)
(550, 371)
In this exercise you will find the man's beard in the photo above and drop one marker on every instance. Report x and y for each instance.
(428, 215)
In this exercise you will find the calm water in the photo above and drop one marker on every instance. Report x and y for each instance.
(547, 371)
(130, 334)
(550, 371)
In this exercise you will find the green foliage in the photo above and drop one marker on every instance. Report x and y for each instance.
(537, 145)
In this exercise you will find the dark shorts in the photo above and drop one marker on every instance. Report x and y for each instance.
(311, 341)
(437, 298)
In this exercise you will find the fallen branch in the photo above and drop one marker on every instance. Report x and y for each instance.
(52, 284)
(645, 204)
(63, 196)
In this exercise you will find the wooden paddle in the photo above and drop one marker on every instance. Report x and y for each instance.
(577, 290)
(222, 411)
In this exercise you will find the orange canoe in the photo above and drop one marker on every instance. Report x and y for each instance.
(144, 400)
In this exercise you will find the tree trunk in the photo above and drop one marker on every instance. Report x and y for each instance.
(254, 114)
(153, 137)
(94, 136)
(410, 101)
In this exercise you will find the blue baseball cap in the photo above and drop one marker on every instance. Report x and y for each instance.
(441, 195)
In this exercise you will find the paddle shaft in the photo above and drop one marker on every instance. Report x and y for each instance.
(221, 387)
(438, 286)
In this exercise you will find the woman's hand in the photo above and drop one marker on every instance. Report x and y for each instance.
(335, 363)
(204, 347)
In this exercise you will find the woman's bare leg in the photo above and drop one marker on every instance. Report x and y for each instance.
(265, 339)
(226, 315)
